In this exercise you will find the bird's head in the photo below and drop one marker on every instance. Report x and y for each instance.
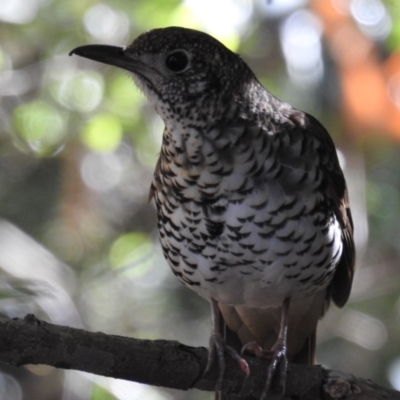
(179, 70)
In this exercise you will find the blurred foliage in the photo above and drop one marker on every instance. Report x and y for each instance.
(78, 145)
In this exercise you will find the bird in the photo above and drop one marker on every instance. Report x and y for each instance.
(252, 204)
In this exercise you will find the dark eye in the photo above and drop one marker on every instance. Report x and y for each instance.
(177, 61)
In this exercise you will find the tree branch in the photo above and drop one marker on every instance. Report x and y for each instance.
(165, 363)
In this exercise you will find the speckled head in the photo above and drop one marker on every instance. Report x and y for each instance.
(164, 40)
(179, 70)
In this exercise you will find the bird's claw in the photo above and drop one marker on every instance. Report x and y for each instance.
(278, 358)
(255, 349)
(217, 349)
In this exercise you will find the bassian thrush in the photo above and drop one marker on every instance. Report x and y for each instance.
(253, 211)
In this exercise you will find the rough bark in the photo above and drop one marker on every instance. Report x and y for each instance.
(165, 363)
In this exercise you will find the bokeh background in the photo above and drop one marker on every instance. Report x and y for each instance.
(78, 145)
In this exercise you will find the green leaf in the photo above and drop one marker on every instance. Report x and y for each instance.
(133, 250)
(81, 92)
(124, 98)
(102, 133)
(99, 393)
(40, 126)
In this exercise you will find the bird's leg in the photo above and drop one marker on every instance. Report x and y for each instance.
(277, 354)
(218, 347)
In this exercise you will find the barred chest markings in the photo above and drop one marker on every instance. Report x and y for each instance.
(240, 205)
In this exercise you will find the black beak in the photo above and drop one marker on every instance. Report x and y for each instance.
(110, 55)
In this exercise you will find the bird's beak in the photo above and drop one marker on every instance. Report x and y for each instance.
(111, 55)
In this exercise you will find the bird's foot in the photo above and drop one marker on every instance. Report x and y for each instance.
(278, 364)
(216, 350)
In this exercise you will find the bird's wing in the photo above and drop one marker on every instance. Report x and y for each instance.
(316, 150)
(335, 189)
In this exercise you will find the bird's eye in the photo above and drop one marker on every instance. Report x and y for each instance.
(177, 61)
